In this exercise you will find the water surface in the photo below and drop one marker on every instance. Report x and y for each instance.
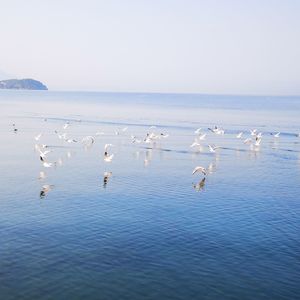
(148, 233)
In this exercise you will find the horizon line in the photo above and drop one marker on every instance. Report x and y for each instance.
(157, 92)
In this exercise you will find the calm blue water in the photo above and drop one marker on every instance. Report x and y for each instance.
(151, 232)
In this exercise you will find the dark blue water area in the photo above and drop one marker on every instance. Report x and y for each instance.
(152, 231)
(177, 245)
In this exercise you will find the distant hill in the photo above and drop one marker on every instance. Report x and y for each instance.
(22, 84)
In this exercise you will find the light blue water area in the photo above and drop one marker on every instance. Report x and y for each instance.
(152, 231)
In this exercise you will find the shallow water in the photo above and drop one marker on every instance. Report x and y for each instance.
(148, 233)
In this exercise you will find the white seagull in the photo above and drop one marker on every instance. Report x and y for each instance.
(108, 158)
(199, 169)
(37, 138)
(44, 153)
(47, 165)
(66, 125)
(257, 141)
(164, 135)
(239, 136)
(71, 141)
(198, 131)
(134, 139)
(212, 148)
(194, 144)
(202, 136)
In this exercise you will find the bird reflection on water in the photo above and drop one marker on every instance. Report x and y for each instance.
(106, 177)
(45, 189)
(200, 185)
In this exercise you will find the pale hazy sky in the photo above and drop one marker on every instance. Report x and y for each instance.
(212, 46)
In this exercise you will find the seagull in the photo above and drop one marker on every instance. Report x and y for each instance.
(152, 127)
(202, 137)
(199, 169)
(43, 153)
(164, 135)
(217, 130)
(212, 148)
(108, 158)
(150, 137)
(37, 138)
(276, 135)
(124, 129)
(195, 144)
(66, 125)
(71, 141)
(198, 131)
(153, 136)
(253, 132)
(239, 135)
(47, 165)
(259, 135)
(134, 139)
(257, 141)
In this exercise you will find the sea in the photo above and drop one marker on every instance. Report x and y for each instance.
(142, 226)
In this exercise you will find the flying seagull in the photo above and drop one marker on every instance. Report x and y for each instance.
(239, 136)
(198, 131)
(212, 148)
(199, 169)
(276, 135)
(37, 138)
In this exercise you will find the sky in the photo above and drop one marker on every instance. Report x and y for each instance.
(172, 46)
